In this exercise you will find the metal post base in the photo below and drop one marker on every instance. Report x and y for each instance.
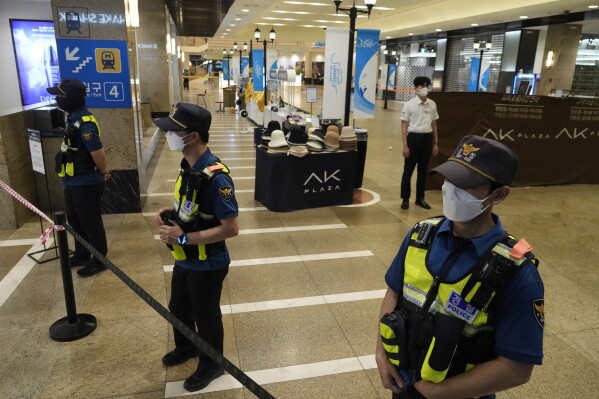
(63, 331)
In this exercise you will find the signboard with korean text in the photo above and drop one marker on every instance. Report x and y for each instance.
(102, 65)
(556, 139)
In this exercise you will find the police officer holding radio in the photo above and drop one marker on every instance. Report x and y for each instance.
(83, 167)
(463, 315)
(204, 215)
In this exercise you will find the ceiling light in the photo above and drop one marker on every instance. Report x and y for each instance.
(303, 3)
(291, 12)
(387, 37)
(473, 24)
(245, 10)
(232, 25)
(228, 30)
(593, 6)
(410, 34)
(378, 8)
(523, 17)
(237, 19)
(438, 30)
(279, 19)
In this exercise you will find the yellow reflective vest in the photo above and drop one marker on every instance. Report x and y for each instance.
(189, 217)
(450, 322)
(70, 160)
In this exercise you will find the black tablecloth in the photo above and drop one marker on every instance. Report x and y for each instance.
(288, 183)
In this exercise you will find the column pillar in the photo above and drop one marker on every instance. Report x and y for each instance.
(93, 46)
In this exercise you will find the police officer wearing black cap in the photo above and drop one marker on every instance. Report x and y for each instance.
(463, 316)
(83, 167)
(204, 215)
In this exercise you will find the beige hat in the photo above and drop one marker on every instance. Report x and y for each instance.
(331, 140)
(278, 140)
(347, 133)
(333, 128)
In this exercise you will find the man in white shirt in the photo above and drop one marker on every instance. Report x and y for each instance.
(420, 140)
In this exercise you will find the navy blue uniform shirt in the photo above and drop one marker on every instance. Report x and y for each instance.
(88, 140)
(518, 332)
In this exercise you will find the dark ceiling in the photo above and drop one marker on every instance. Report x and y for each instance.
(199, 18)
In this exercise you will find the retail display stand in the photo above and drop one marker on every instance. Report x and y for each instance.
(286, 183)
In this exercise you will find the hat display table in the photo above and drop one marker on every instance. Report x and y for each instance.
(286, 183)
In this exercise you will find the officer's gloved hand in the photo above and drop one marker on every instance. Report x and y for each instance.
(411, 393)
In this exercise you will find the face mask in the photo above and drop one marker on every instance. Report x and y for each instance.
(70, 104)
(459, 205)
(175, 143)
(422, 91)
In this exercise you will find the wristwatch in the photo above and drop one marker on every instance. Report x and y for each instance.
(182, 240)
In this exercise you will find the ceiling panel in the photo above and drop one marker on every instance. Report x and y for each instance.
(200, 18)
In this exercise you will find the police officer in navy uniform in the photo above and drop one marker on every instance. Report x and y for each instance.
(463, 315)
(204, 215)
(83, 167)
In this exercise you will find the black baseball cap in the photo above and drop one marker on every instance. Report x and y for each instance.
(69, 87)
(187, 117)
(478, 160)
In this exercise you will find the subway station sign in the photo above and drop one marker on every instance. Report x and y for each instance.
(102, 65)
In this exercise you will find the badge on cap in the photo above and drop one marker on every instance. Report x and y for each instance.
(468, 148)
(538, 308)
(226, 193)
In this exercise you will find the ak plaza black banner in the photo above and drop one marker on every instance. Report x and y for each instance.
(287, 183)
(556, 139)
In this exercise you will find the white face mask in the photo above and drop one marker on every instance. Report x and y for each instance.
(459, 205)
(175, 143)
(422, 91)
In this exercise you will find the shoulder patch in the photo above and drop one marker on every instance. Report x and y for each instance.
(538, 308)
(226, 193)
(87, 136)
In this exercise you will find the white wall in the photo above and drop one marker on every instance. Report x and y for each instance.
(10, 100)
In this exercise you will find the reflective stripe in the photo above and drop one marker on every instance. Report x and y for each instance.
(386, 331)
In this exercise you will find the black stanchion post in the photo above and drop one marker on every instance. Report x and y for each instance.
(74, 326)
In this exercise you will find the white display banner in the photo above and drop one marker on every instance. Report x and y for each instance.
(271, 59)
(367, 44)
(335, 73)
(235, 68)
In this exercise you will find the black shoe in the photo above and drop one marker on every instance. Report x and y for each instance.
(423, 204)
(77, 261)
(91, 270)
(405, 204)
(178, 356)
(201, 379)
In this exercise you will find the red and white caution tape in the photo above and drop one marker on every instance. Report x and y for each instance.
(29, 205)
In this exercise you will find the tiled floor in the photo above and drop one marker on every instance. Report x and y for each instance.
(305, 327)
